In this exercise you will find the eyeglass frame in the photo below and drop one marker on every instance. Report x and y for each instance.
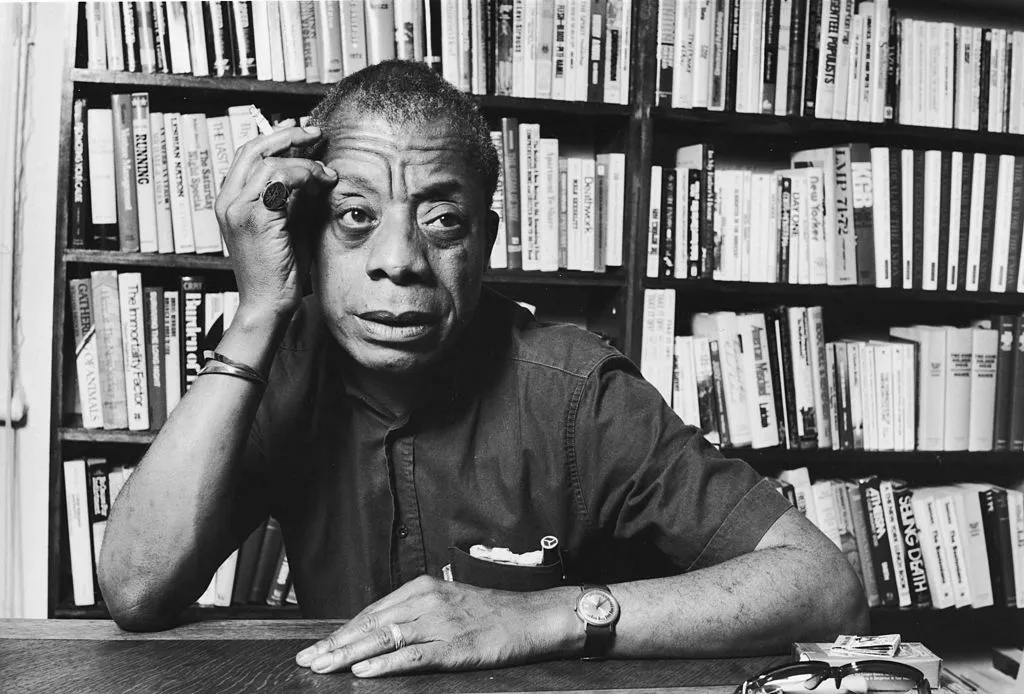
(836, 673)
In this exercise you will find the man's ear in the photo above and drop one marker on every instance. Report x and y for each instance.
(492, 230)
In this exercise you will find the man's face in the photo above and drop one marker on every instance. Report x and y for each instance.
(400, 258)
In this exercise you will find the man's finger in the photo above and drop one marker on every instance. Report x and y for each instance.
(249, 154)
(421, 656)
(386, 639)
(366, 624)
(295, 174)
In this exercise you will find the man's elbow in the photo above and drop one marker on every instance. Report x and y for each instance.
(847, 604)
(131, 604)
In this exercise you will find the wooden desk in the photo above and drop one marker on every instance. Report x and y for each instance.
(259, 656)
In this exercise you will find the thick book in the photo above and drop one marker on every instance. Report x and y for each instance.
(130, 35)
(891, 514)
(702, 158)
(328, 34)
(996, 521)
(245, 568)
(172, 349)
(988, 223)
(178, 183)
(124, 172)
(193, 328)
(1017, 397)
(155, 334)
(87, 367)
(972, 530)
(222, 149)
(1004, 382)
(984, 352)
(244, 54)
(353, 35)
(202, 192)
(266, 564)
(707, 402)
(311, 60)
(217, 22)
(510, 174)
(98, 487)
(80, 219)
(76, 498)
(291, 42)
(107, 312)
(881, 549)
(145, 189)
(959, 365)
(917, 577)
(862, 531)
(133, 345)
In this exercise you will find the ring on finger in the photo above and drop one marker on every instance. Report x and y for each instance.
(397, 637)
(275, 196)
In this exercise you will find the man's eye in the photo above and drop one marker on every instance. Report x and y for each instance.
(445, 222)
(356, 217)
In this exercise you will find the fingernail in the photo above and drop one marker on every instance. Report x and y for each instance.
(312, 129)
(328, 170)
(322, 663)
(360, 668)
(304, 658)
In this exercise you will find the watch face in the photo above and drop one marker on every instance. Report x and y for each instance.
(598, 607)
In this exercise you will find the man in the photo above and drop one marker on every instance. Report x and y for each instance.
(409, 410)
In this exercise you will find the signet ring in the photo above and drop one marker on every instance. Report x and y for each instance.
(275, 196)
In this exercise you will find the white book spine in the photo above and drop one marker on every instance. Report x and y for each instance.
(684, 395)
(291, 41)
(881, 224)
(133, 344)
(997, 81)
(682, 207)
(984, 352)
(499, 252)
(172, 351)
(1016, 116)
(744, 54)
(380, 30)
(464, 47)
(933, 73)
(547, 202)
(959, 351)
(879, 60)
(181, 205)
(940, 585)
(353, 36)
(574, 197)
(624, 51)
(831, 19)
(113, 28)
(743, 247)
(1001, 237)
(531, 18)
(205, 228)
(975, 79)
(974, 235)
(847, 101)
(261, 37)
(964, 75)
(826, 514)
(953, 269)
(197, 38)
(560, 49)
(478, 52)
(97, 36)
(930, 259)
(615, 206)
(144, 183)
(276, 41)
(243, 127)
(588, 236)
(886, 396)
(818, 248)
(935, 361)
(976, 550)
(782, 62)
(224, 581)
(819, 374)
(658, 344)
(701, 53)
(161, 184)
(581, 69)
(764, 431)
(907, 188)
(87, 367)
(222, 149)
(450, 44)
(654, 224)
(865, 67)
(79, 535)
(102, 195)
(870, 396)
(949, 511)
(529, 134)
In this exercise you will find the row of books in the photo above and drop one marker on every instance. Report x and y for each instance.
(560, 205)
(771, 379)
(573, 50)
(257, 572)
(850, 214)
(838, 59)
(139, 348)
(939, 547)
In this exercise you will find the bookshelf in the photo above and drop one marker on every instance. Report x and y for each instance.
(612, 302)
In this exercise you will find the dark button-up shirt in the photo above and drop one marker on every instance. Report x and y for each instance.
(529, 429)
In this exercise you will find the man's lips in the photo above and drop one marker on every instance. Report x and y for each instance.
(400, 320)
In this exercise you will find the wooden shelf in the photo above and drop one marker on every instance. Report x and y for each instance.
(910, 460)
(78, 435)
(820, 293)
(191, 614)
(756, 125)
(311, 92)
(193, 262)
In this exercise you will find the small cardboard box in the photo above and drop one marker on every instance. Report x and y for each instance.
(911, 653)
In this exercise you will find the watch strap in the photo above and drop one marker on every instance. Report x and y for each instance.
(599, 639)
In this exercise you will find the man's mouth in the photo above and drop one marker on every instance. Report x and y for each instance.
(404, 319)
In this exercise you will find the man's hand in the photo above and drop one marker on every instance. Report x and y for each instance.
(268, 247)
(429, 624)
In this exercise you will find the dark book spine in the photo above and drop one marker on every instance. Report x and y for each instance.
(785, 222)
(160, 45)
(732, 66)
(707, 214)
(432, 56)
(124, 173)
(245, 568)
(129, 25)
(945, 179)
(896, 216)
(988, 222)
(985, 61)
(995, 516)
(666, 52)
(152, 316)
(193, 328)
(1004, 383)
(920, 597)
(789, 386)
(270, 553)
(967, 181)
(245, 40)
(694, 195)
(770, 56)
(719, 54)
(716, 371)
(80, 234)
(595, 79)
(282, 580)
(146, 37)
(843, 397)
(666, 267)
(490, 46)
(510, 166)
(1016, 225)
(919, 230)
(863, 214)
(1017, 398)
(881, 551)
(797, 45)
(812, 44)
(218, 39)
(775, 337)
(892, 74)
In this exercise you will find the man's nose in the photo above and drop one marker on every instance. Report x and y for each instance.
(397, 251)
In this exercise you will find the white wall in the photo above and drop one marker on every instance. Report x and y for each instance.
(39, 196)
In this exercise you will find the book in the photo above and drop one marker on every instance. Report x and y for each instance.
(178, 183)
(192, 329)
(161, 184)
(172, 350)
(155, 335)
(984, 352)
(202, 189)
(266, 564)
(124, 172)
(107, 313)
(245, 568)
(87, 366)
(76, 498)
(145, 190)
(98, 489)
(133, 342)
(80, 219)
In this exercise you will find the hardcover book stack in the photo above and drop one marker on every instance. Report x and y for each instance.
(257, 572)
(771, 379)
(838, 59)
(572, 50)
(939, 547)
(851, 214)
(139, 347)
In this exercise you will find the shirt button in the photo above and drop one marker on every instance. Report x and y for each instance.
(403, 532)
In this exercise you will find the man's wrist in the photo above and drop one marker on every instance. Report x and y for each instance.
(563, 631)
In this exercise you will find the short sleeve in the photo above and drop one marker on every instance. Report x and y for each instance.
(644, 474)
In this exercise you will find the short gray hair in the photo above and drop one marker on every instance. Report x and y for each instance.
(404, 92)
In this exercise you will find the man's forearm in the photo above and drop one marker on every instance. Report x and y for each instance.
(171, 525)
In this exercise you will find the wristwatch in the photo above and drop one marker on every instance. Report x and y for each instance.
(598, 609)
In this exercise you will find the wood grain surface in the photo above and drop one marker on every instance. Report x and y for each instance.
(83, 656)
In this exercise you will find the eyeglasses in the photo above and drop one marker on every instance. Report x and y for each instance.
(858, 677)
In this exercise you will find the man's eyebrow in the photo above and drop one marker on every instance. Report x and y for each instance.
(355, 179)
(437, 189)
